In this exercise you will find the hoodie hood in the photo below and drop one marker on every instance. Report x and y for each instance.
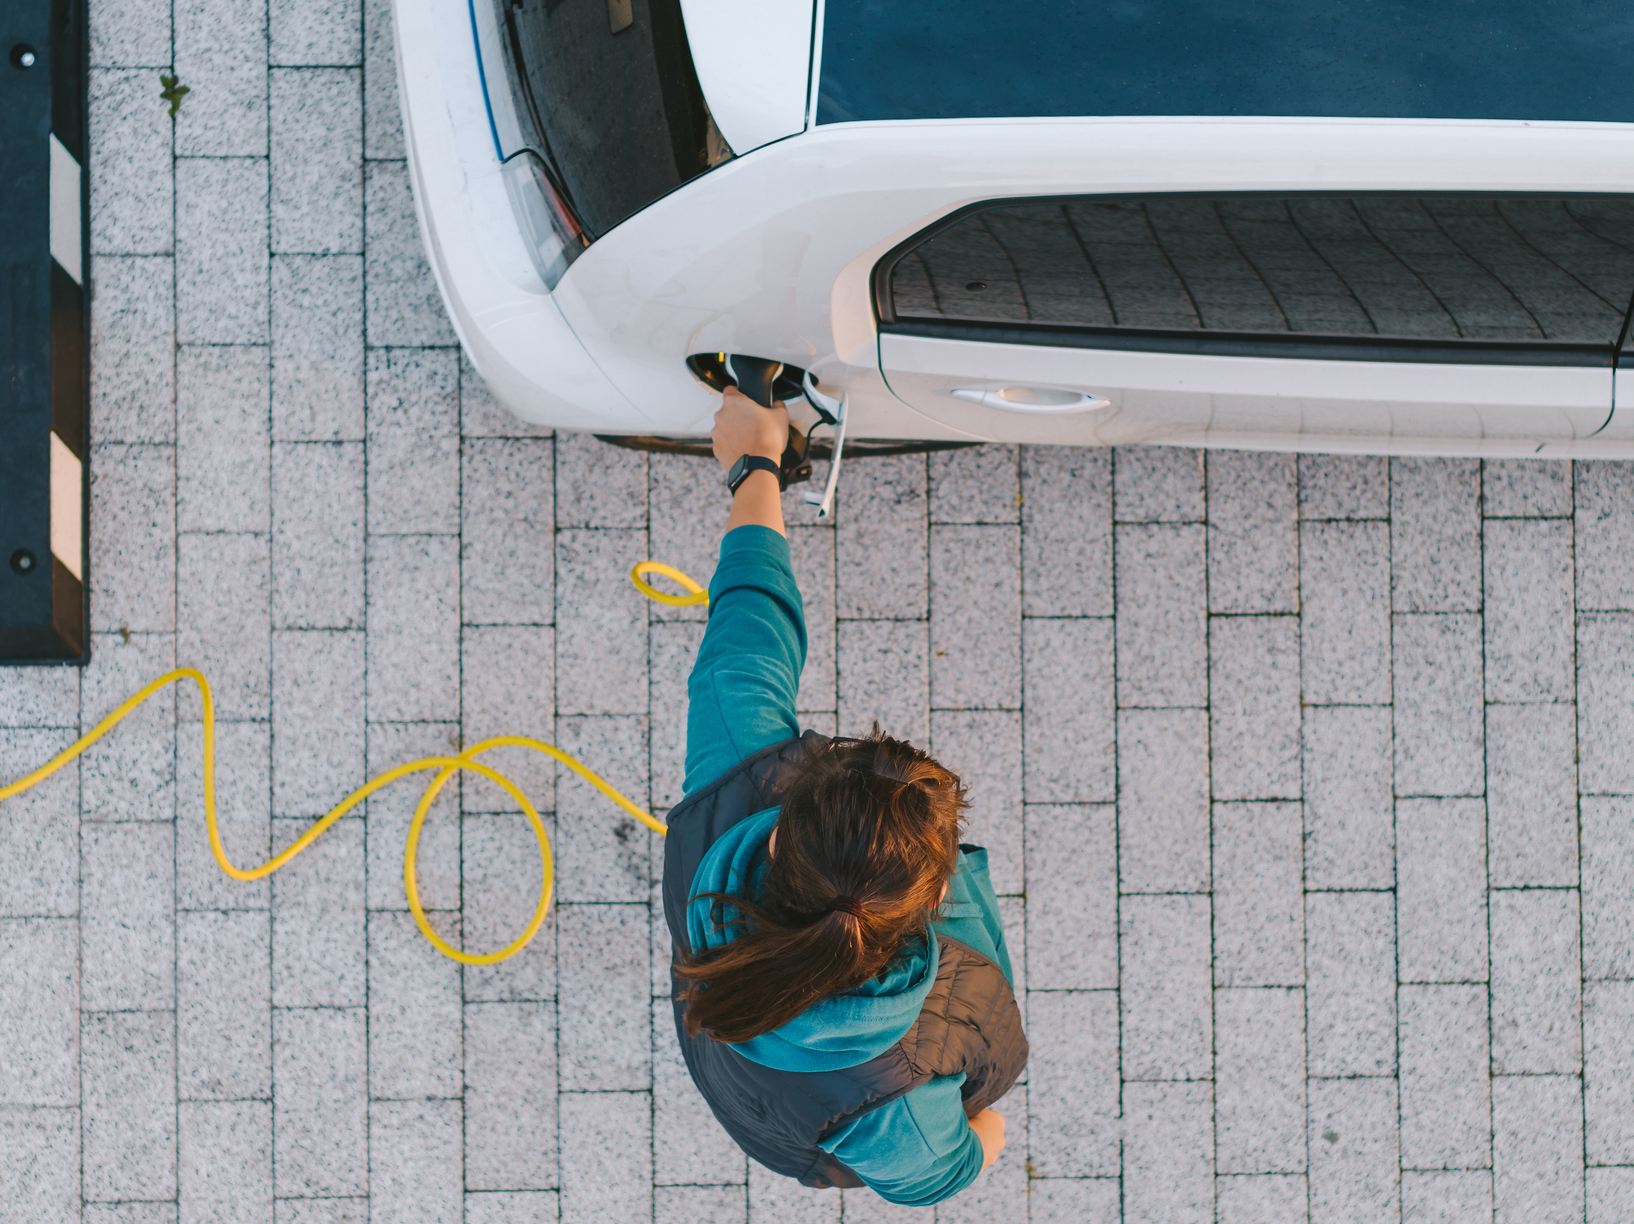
(839, 1031)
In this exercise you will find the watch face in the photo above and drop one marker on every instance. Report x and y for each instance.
(736, 473)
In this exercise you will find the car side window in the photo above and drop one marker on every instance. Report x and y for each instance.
(1531, 271)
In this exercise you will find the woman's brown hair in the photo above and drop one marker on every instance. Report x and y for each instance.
(867, 837)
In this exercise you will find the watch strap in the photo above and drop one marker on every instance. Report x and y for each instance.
(752, 463)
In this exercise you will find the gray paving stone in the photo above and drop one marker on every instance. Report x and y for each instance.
(221, 249)
(317, 348)
(414, 1162)
(1259, 903)
(1609, 1192)
(1253, 538)
(128, 1095)
(1163, 817)
(413, 441)
(975, 622)
(686, 1204)
(981, 484)
(40, 1061)
(1344, 487)
(1072, 1100)
(774, 1199)
(1531, 795)
(1067, 720)
(317, 535)
(131, 1213)
(1161, 627)
(1350, 991)
(507, 575)
(605, 1022)
(36, 697)
(317, 150)
(1165, 988)
(1537, 1149)
(1066, 534)
(606, 1156)
(812, 551)
(130, 774)
(1158, 484)
(1274, 1198)
(320, 1102)
(481, 413)
(1608, 887)
(500, 888)
(1072, 941)
(1537, 1004)
(224, 604)
(133, 333)
(686, 507)
(40, 1164)
(1435, 534)
(315, 32)
(507, 681)
(1526, 488)
(1013, 919)
(1441, 899)
(226, 1161)
(401, 301)
(133, 538)
(598, 485)
(1075, 1200)
(317, 719)
(513, 1207)
(1528, 568)
(223, 1006)
(882, 531)
(601, 641)
(221, 52)
(39, 831)
(689, 1146)
(1349, 803)
(883, 675)
(1605, 703)
(603, 854)
(1608, 1072)
(414, 1011)
(319, 940)
(1446, 1106)
(389, 813)
(510, 1096)
(1437, 663)
(1353, 1149)
(412, 587)
(1431, 1198)
(1254, 707)
(674, 647)
(127, 928)
(1259, 1073)
(1168, 1168)
(382, 120)
(130, 35)
(984, 748)
(133, 199)
(1604, 536)
(1345, 625)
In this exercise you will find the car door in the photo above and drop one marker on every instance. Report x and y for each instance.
(1382, 320)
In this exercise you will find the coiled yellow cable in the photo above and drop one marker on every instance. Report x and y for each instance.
(446, 767)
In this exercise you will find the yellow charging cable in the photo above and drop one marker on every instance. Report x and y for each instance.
(446, 767)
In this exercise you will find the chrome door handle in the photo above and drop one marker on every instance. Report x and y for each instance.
(1049, 400)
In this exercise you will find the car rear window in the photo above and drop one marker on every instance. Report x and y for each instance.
(1437, 268)
(1440, 59)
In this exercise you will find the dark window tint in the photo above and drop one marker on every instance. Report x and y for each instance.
(1439, 59)
(609, 89)
(1436, 268)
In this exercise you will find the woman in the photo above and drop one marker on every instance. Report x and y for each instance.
(843, 990)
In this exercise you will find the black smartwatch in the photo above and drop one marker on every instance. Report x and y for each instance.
(739, 471)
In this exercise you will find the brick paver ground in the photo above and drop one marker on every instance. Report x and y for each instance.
(1308, 782)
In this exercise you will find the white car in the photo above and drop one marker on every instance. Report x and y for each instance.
(1403, 229)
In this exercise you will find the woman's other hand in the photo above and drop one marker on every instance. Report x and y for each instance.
(743, 427)
(989, 1128)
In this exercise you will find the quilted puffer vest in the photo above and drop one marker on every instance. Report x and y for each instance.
(969, 1021)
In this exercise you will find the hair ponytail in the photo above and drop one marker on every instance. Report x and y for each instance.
(867, 836)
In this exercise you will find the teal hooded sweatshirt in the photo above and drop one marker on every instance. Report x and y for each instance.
(918, 1149)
